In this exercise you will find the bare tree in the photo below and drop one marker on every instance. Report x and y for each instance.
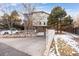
(9, 19)
(29, 9)
(5, 16)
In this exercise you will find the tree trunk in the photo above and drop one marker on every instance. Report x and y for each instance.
(57, 27)
(8, 23)
(60, 27)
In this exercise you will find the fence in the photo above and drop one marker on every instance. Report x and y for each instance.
(21, 34)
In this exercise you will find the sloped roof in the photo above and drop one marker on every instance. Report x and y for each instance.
(40, 12)
(26, 15)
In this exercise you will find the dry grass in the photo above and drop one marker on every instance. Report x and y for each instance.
(64, 49)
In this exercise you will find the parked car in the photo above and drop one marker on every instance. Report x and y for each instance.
(11, 31)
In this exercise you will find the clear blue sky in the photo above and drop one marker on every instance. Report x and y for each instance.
(71, 8)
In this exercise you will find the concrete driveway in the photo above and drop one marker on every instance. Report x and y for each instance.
(34, 46)
(6, 50)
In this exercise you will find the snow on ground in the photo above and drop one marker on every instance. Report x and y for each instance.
(40, 34)
(67, 37)
(73, 35)
(69, 40)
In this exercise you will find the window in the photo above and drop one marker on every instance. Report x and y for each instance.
(40, 23)
(44, 23)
